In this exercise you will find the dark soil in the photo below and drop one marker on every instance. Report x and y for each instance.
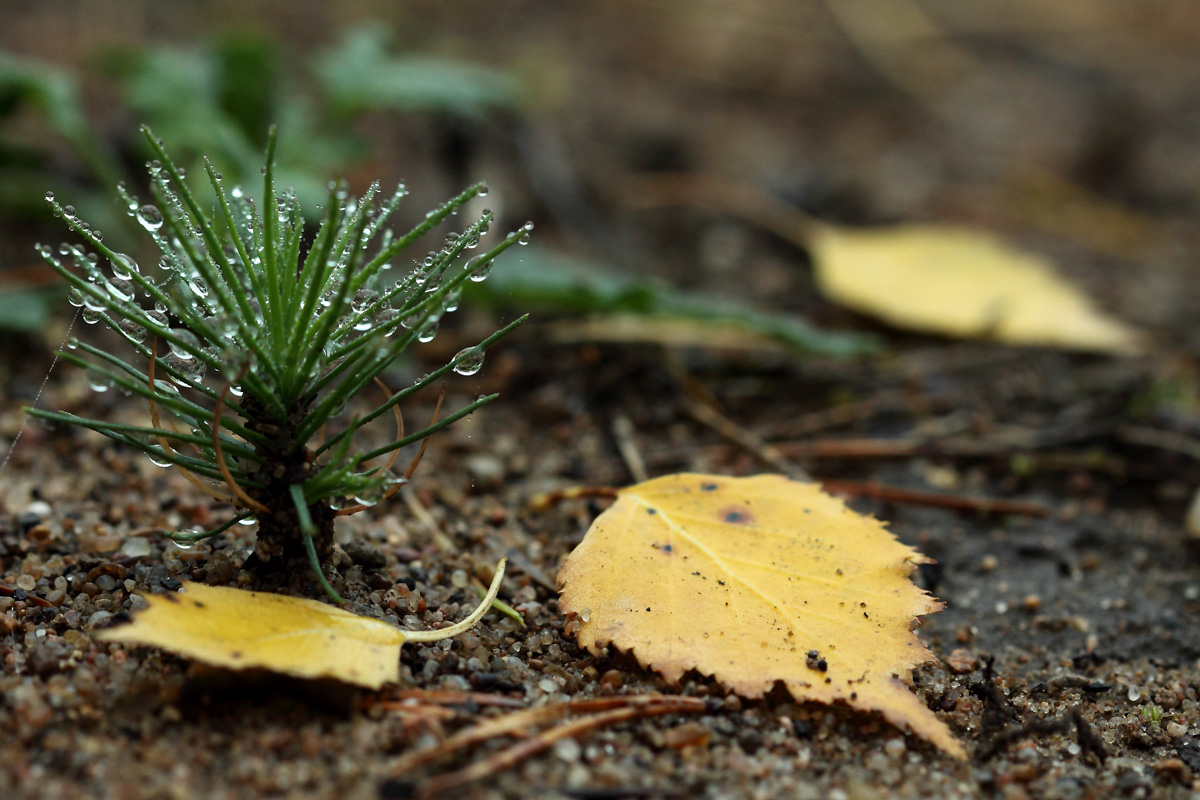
(1070, 642)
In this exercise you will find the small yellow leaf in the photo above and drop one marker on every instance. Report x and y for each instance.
(255, 630)
(961, 283)
(753, 581)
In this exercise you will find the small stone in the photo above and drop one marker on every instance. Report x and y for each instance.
(106, 583)
(961, 661)
(896, 748)
(568, 750)
(1174, 769)
(26, 583)
(136, 547)
(486, 471)
(1176, 729)
(612, 679)
(365, 555)
(99, 618)
(687, 734)
(1031, 602)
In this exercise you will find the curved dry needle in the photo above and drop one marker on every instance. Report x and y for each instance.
(437, 412)
(341, 512)
(162, 440)
(246, 499)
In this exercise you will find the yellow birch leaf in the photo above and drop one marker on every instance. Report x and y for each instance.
(961, 283)
(753, 581)
(237, 629)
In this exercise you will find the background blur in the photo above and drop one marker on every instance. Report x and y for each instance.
(1073, 128)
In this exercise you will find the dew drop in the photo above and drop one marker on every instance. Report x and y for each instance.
(480, 269)
(468, 361)
(123, 266)
(428, 333)
(150, 218)
(99, 381)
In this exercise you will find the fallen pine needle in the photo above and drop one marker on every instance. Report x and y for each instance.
(633, 708)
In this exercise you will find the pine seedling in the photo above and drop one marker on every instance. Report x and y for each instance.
(255, 342)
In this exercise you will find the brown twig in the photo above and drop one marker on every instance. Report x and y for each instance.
(632, 708)
(745, 438)
(718, 193)
(623, 432)
(547, 500)
(28, 598)
(450, 697)
(922, 497)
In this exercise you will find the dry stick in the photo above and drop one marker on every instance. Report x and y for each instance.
(623, 432)
(522, 750)
(1160, 439)
(429, 523)
(743, 437)
(162, 440)
(341, 512)
(940, 499)
(451, 697)
(516, 723)
(246, 499)
(29, 598)
(542, 502)
(734, 197)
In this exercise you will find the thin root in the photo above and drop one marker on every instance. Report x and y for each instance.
(246, 499)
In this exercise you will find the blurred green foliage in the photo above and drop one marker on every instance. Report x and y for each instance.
(543, 279)
(218, 100)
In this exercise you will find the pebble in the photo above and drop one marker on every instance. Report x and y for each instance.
(136, 547)
(1176, 729)
(568, 750)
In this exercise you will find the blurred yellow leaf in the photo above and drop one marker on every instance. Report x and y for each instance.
(960, 283)
(236, 629)
(753, 581)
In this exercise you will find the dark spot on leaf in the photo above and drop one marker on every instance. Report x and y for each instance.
(652, 511)
(721, 582)
(236, 654)
(736, 516)
(647, 608)
(198, 604)
(708, 487)
(668, 548)
(170, 598)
